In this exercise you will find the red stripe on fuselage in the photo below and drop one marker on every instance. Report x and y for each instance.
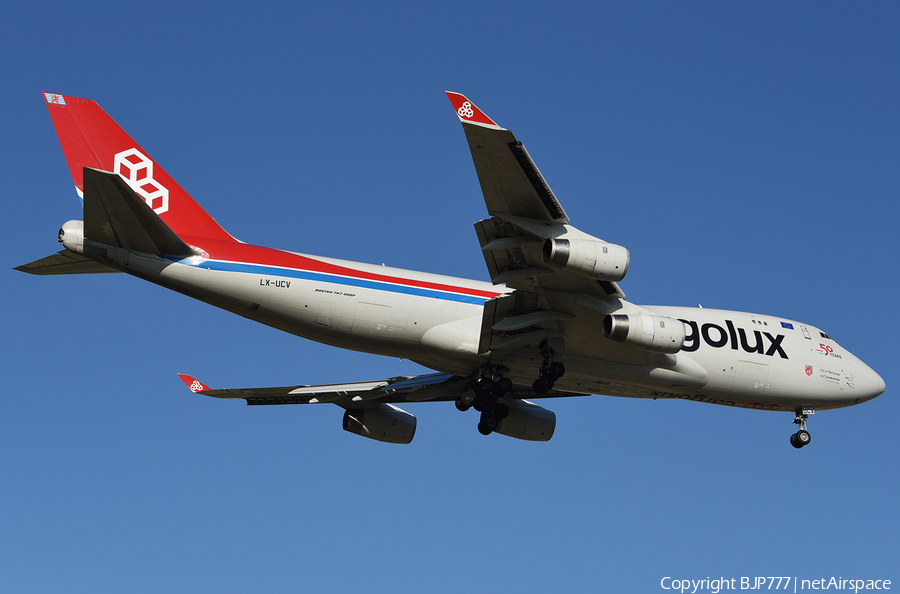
(254, 254)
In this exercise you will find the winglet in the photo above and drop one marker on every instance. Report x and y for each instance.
(194, 385)
(467, 111)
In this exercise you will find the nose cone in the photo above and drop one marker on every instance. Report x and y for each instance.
(868, 384)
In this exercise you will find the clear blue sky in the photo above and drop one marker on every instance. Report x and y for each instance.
(746, 154)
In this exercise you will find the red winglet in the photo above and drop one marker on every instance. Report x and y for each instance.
(467, 111)
(194, 385)
(90, 138)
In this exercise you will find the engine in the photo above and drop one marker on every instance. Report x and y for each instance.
(594, 259)
(651, 333)
(527, 421)
(382, 423)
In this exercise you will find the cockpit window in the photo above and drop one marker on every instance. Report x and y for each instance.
(823, 335)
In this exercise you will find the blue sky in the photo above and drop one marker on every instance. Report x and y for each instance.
(746, 154)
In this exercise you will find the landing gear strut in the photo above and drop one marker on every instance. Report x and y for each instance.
(802, 437)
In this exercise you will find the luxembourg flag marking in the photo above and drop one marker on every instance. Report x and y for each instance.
(55, 99)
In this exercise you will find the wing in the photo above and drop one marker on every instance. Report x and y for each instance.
(518, 245)
(408, 388)
(510, 181)
(525, 212)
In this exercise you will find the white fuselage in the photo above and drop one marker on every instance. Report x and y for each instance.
(729, 358)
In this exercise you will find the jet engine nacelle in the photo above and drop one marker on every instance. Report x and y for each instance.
(651, 333)
(71, 235)
(382, 423)
(594, 259)
(527, 421)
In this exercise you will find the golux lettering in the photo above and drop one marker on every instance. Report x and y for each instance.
(718, 337)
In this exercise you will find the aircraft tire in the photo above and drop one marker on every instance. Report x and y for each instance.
(483, 428)
(556, 370)
(542, 385)
(502, 387)
(490, 420)
(803, 437)
(483, 386)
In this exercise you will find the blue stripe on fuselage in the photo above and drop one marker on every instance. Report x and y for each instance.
(242, 267)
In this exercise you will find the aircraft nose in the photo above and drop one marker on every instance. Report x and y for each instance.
(868, 384)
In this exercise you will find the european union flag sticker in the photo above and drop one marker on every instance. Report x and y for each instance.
(786, 325)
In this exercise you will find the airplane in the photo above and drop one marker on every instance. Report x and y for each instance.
(553, 322)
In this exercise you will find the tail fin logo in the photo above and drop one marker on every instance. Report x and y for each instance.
(466, 110)
(137, 170)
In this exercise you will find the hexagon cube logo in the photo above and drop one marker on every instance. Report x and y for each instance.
(137, 170)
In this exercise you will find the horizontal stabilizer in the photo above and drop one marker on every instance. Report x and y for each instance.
(64, 262)
(115, 215)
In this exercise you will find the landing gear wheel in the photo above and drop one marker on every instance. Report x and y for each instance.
(484, 429)
(464, 402)
(801, 438)
(501, 411)
(542, 385)
(483, 386)
(556, 370)
(502, 387)
(490, 421)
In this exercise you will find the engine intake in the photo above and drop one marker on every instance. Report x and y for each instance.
(651, 333)
(594, 259)
(385, 423)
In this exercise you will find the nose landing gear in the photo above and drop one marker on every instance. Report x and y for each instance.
(802, 437)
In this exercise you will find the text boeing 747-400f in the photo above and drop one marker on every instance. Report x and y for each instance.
(552, 322)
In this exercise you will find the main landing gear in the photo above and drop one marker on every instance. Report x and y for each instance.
(484, 396)
(485, 393)
(490, 387)
(802, 437)
(550, 372)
